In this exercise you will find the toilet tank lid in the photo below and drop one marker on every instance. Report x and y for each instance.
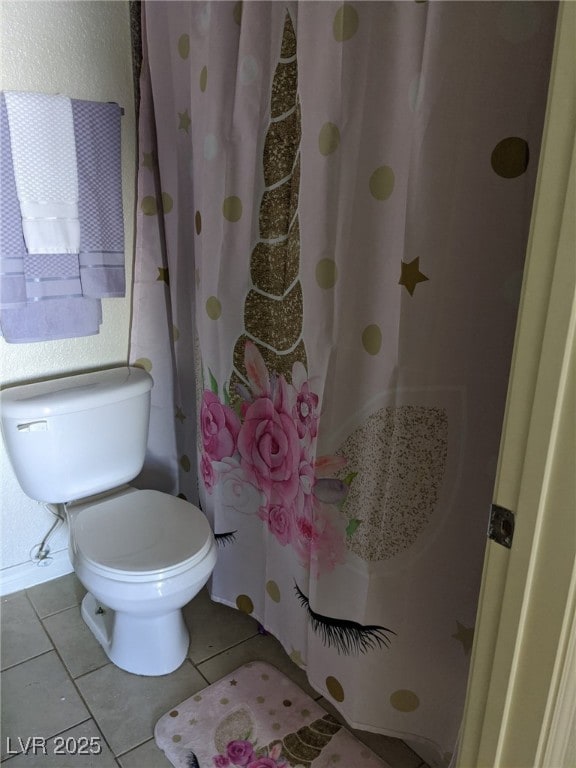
(73, 393)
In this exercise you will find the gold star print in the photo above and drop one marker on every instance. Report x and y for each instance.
(465, 635)
(233, 682)
(163, 275)
(180, 415)
(148, 161)
(184, 121)
(411, 275)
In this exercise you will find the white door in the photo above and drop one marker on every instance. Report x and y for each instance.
(521, 703)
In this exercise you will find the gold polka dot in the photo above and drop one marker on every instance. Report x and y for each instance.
(265, 677)
(237, 12)
(326, 273)
(345, 23)
(174, 713)
(276, 726)
(372, 339)
(244, 604)
(287, 703)
(510, 157)
(260, 699)
(149, 206)
(176, 738)
(185, 463)
(213, 308)
(335, 758)
(305, 712)
(203, 79)
(224, 701)
(273, 591)
(198, 222)
(167, 202)
(143, 362)
(328, 139)
(232, 208)
(272, 712)
(197, 697)
(404, 701)
(175, 333)
(184, 46)
(335, 688)
(382, 182)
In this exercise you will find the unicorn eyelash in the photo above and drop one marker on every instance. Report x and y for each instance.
(223, 539)
(348, 637)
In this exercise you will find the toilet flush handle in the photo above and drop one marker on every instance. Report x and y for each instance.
(33, 426)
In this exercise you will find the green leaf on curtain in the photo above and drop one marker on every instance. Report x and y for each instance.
(352, 527)
(213, 382)
(349, 478)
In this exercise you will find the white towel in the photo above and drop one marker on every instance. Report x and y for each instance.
(44, 157)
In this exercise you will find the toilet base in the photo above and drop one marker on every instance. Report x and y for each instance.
(142, 645)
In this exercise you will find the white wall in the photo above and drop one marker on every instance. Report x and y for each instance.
(82, 49)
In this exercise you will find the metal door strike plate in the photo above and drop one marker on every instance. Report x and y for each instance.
(501, 527)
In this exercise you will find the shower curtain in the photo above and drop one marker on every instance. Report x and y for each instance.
(334, 203)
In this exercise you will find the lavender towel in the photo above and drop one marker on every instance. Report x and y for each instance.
(57, 309)
(97, 131)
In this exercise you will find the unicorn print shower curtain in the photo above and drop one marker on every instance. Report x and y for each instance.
(334, 204)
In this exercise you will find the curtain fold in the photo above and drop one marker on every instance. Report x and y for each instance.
(334, 202)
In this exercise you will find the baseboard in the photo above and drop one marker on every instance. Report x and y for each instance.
(25, 575)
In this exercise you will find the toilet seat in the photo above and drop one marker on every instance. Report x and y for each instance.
(141, 536)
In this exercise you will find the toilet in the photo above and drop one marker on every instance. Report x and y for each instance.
(142, 555)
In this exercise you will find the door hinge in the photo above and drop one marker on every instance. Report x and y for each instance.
(501, 527)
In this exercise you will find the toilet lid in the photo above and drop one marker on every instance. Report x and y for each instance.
(142, 532)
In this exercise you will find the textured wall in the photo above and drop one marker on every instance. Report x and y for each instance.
(80, 49)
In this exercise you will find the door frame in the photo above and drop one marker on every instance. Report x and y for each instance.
(521, 702)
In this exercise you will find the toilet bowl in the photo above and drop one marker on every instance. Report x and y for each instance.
(141, 555)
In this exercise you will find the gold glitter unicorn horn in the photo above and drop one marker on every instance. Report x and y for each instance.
(273, 307)
(306, 744)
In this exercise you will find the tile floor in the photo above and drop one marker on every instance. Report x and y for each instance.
(57, 681)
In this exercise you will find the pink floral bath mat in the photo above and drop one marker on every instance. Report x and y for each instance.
(257, 718)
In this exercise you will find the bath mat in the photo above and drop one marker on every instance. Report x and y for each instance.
(258, 718)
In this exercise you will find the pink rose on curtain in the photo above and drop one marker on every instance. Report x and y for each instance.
(319, 537)
(280, 521)
(221, 761)
(305, 535)
(305, 409)
(220, 427)
(207, 473)
(270, 450)
(328, 548)
(240, 752)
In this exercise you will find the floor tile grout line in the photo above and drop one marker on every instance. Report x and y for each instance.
(61, 657)
(30, 658)
(88, 707)
(90, 671)
(224, 650)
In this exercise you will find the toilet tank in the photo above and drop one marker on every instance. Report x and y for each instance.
(76, 436)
